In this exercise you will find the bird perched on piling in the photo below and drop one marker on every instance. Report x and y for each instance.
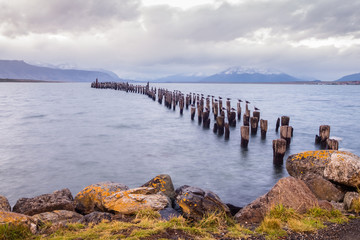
(239, 100)
(256, 109)
(232, 109)
(247, 101)
(228, 99)
(220, 97)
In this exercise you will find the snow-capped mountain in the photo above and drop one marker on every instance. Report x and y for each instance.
(187, 77)
(250, 75)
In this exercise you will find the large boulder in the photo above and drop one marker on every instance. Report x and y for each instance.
(322, 188)
(58, 200)
(4, 204)
(134, 200)
(349, 199)
(162, 183)
(289, 191)
(18, 219)
(195, 202)
(58, 216)
(336, 166)
(90, 199)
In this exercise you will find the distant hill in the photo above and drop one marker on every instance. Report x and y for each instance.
(351, 77)
(13, 69)
(250, 75)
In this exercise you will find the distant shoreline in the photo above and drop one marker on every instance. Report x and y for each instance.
(28, 81)
(2, 80)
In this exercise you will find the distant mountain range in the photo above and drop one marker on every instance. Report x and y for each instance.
(13, 69)
(352, 77)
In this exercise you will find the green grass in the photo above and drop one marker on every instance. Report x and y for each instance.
(13, 232)
(148, 224)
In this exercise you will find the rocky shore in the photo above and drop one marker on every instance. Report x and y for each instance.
(326, 179)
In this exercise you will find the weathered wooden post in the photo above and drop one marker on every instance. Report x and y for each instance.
(208, 103)
(193, 109)
(187, 101)
(332, 144)
(246, 120)
(199, 112)
(206, 120)
(324, 134)
(279, 149)
(216, 108)
(238, 111)
(256, 114)
(228, 105)
(227, 131)
(254, 125)
(181, 104)
(212, 103)
(220, 124)
(244, 132)
(285, 120)
(215, 128)
(264, 128)
(277, 125)
(285, 133)
(232, 119)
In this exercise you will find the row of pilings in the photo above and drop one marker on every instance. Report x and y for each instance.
(224, 115)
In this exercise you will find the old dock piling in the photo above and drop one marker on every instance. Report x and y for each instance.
(193, 109)
(285, 120)
(277, 125)
(256, 114)
(238, 110)
(246, 120)
(285, 133)
(279, 149)
(324, 134)
(227, 131)
(220, 125)
(332, 144)
(263, 127)
(232, 119)
(254, 122)
(244, 132)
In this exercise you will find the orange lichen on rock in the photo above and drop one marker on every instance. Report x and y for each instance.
(133, 200)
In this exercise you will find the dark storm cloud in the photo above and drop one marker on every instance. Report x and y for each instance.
(21, 17)
(299, 19)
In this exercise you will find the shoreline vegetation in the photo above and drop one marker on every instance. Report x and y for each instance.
(319, 200)
(294, 83)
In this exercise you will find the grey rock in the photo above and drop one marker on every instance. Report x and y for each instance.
(58, 200)
(4, 204)
(349, 199)
(96, 218)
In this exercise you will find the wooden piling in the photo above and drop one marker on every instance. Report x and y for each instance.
(264, 128)
(279, 149)
(332, 144)
(285, 120)
(181, 104)
(227, 131)
(215, 128)
(277, 125)
(206, 120)
(285, 133)
(256, 114)
(193, 109)
(216, 110)
(254, 125)
(228, 105)
(324, 134)
(200, 113)
(220, 124)
(238, 111)
(246, 120)
(244, 132)
(232, 119)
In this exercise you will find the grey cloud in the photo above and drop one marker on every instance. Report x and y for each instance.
(21, 17)
(298, 19)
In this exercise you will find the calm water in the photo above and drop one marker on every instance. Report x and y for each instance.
(54, 136)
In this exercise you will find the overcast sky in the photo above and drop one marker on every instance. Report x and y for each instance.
(149, 38)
